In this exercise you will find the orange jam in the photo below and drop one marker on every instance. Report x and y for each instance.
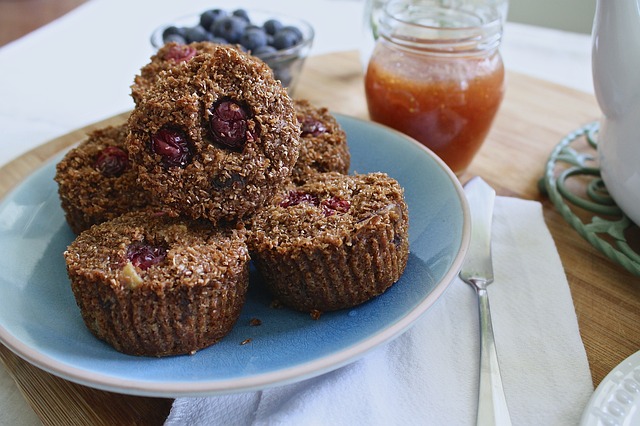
(446, 102)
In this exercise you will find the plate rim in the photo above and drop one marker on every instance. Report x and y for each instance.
(278, 377)
(608, 386)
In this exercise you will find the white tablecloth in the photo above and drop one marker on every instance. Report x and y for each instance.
(77, 70)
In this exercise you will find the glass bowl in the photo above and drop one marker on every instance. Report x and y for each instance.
(286, 63)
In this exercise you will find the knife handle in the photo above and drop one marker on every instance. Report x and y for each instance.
(492, 405)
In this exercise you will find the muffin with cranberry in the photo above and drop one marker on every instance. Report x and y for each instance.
(216, 137)
(332, 243)
(96, 181)
(167, 57)
(153, 285)
(323, 142)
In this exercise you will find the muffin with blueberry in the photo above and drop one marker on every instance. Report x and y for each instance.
(96, 181)
(323, 145)
(153, 285)
(214, 138)
(332, 243)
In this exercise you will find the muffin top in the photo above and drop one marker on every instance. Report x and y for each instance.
(216, 137)
(147, 248)
(169, 56)
(330, 210)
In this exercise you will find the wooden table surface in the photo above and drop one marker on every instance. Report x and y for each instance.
(533, 118)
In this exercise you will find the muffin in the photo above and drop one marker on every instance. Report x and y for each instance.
(332, 243)
(153, 285)
(96, 181)
(323, 143)
(214, 138)
(167, 57)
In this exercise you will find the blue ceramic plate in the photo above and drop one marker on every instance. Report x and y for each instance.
(40, 322)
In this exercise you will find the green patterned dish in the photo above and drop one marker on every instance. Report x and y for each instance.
(572, 182)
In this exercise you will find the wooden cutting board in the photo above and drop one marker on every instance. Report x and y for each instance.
(534, 116)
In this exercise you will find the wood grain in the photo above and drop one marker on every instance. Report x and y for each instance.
(534, 117)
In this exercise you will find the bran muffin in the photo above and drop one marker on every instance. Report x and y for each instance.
(167, 57)
(153, 285)
(96, 181)
(323, 146)
(216, 137)
(332, 243)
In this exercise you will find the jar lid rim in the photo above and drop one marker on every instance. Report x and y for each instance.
(440, 28)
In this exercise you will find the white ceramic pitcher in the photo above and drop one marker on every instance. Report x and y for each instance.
(616, 76)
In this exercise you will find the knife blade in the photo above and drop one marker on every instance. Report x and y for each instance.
(477, 264)
(477, 271)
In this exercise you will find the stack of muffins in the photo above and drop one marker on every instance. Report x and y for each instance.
(216, 166)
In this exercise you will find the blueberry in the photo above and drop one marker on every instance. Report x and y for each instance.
(229, 28)
(218, 40)
(173, 30)
(197, 33)
(295, 30)
(263, 51)
(272, 26)
(283, 74)
(253, 38)
(242, 14)
(176, 38)
(252, 27)
(287, 37)
(208, 17)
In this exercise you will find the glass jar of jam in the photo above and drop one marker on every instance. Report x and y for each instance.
(436, 74)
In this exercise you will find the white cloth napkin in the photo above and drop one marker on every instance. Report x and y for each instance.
(429, 375)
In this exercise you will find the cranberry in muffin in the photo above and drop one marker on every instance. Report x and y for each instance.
(323, 143)
(153, 285)
(214, 138)
(96, 181)
(332, 243)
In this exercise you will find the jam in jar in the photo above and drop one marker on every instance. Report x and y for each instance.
(436, 74)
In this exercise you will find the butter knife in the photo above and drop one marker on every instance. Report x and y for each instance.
(477, 271)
